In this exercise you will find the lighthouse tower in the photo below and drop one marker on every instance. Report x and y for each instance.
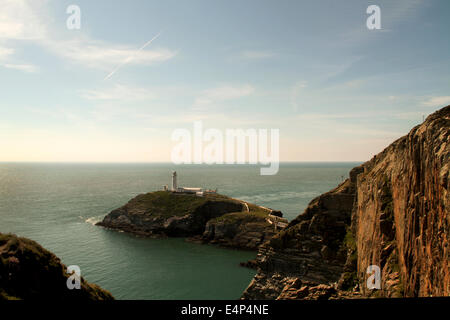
(174, 181)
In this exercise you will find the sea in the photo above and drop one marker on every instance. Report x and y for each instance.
(58, 204)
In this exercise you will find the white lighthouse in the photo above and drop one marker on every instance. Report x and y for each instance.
(196, 191)
(174, 181)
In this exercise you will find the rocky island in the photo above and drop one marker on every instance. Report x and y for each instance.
(210, 218)
(393, 212)
(28, 271)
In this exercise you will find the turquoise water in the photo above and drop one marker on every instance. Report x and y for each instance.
(58, 204)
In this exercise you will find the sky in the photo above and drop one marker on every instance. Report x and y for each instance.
(116, 89)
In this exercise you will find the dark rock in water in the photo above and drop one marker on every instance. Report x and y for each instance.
(28, 271)
(212, 218)
(251, 264)
(393, 212)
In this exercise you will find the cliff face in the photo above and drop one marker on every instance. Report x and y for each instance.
(212, 218)
(402, 214)
(28, 271)
(393, 212)
(309, 251)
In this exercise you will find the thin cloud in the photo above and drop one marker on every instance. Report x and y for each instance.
(119, 93)
(22, 19)
(7, 60)
(223, 93)
(22, 67)
(26, 20)
(6, 52)
(104, 56)
(437, 101)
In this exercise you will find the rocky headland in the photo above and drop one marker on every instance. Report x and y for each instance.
(393, 212)
(212, 218)
(28, 271)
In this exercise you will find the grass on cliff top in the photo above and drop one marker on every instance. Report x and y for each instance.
(29, 271)
(165, 203)
(11, 245)
(242, 216)
(255, 213)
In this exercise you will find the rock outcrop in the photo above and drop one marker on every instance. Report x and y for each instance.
(164, 213)
(310, 249)
(28, 271)
(239, 230)
(393, 212)
(212, 218)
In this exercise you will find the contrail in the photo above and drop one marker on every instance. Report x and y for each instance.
(131, 57)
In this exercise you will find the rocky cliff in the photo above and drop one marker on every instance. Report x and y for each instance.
(393, 212)
(402, 215)
(212, 218)
(28, 271)
(243, 230)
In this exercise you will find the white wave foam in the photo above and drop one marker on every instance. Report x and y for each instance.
(93, 220)
(278, 196)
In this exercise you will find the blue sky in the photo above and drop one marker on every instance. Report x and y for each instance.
(336, 90)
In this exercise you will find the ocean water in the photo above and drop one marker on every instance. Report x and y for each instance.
(58, 205)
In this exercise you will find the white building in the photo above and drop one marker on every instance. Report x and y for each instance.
(176, 188)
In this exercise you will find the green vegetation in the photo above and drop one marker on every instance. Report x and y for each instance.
(11, 245)
(28, 271)
(392, 260)
(255, 213)
(387, 202)
(257, 209)
(350, 278)
(242, 216)
(349, 240)
(167, 204)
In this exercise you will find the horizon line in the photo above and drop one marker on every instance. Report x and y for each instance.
(168, 162)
